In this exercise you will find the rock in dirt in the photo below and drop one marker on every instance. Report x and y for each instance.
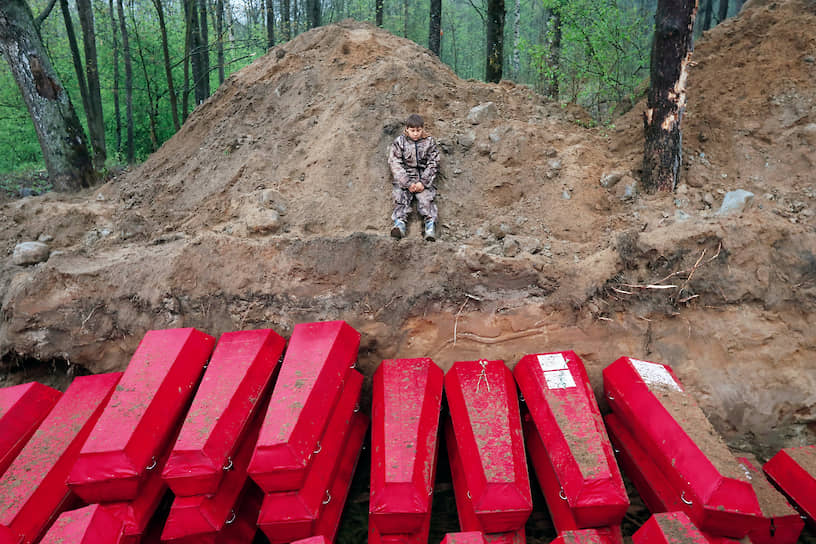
(26, 253)
(482, 113)
(610, 180)
(736, 201)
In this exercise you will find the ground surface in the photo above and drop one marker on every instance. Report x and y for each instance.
(271, 207)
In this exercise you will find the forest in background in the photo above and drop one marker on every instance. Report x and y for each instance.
(591, 52)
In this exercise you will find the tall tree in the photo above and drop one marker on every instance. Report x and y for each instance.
(168, 71)
(378, 12)
(204, 50)
(58, 129)
(723, 13)
(707, 9)
(435, 27)
(116, 112)
(96, 121)
(515, 60)
(666, 101)
(313, 7)
(219, 30)
(270, 25)
(75, 56)
(554, 60)
(286, 24)
(130, 145)
(495, 40)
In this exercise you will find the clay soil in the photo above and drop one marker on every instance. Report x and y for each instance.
(271, 207)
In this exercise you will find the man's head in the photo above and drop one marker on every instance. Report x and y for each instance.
(414, 126)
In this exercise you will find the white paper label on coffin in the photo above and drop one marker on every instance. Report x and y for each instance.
(559, 379)
(552, 361)
(653, 373)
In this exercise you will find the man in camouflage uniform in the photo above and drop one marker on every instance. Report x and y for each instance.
(414, 162)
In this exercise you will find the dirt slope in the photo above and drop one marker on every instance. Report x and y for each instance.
(270, 207)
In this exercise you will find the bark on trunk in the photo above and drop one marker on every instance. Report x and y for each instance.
(495, 41)
(168, 72)
(314, 13)
(516, 62)
(707, 9)
(130, 145)
(116, 111)
(75, 57)
(435, 27)
(204, 50)
(270, 25)
(62, 141)
(666, 102)
(723, 14)
(555, 55)
(378, 12)
(96, 120)
(286, 20)
(219, 30)
(188, 57)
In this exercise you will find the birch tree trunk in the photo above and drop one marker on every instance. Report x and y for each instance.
(62, 141)
(666, 102)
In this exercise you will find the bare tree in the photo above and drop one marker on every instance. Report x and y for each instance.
(435, 27)
(130, 144)
(58, 129)
(96, 120)
(495, 40)
(666, 102)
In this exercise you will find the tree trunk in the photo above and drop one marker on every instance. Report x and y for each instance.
(495, 41)
(723, 14)
(666, 102)
(189, 58)
(270, 25)
(168, 72)
(405, 18)
(219, 30)
(286, 25)
(707, 9)
(204, 51)
(152, 99)
(555, 55)
(130, 144)
(435, 27)
(62, 141)
(75, 56)
(116, 111)
(516, 61)
(314, 13)
(96, 120)
(378, 12)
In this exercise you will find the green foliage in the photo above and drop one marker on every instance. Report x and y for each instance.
(604, 54)
(603, 57)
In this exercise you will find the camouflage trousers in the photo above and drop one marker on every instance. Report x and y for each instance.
(403, 199)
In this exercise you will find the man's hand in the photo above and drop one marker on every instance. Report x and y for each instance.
(416, 187)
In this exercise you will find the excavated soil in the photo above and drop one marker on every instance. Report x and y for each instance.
(271, 207)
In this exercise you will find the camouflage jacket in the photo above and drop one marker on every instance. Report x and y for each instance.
(411, 161)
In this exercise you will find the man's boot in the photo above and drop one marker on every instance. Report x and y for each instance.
(430, 230)
(398, 230)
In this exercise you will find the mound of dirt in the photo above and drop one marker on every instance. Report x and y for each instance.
(271, 206)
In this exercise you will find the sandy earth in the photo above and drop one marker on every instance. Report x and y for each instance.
(271, 207)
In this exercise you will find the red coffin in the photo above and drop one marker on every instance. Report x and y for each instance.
(242, 526)
(793, 470)
(33, 490)
(607, 535)
(136, 514)
(467, 537)
(781, 523)
(240, 372)
(22, 409)
(311, 376)
(569, 425)
(407, 394)
(293, 513)
(486, 448)
(89, 525)
(511, 537)
(338, 492)
(319, 539)
(669, 528)
(418, 537)
(199, 517)
(672, 429)
(135, 427)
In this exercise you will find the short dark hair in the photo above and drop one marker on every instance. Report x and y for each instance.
(414, 121)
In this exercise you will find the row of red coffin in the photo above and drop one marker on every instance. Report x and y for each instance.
(117, 440)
